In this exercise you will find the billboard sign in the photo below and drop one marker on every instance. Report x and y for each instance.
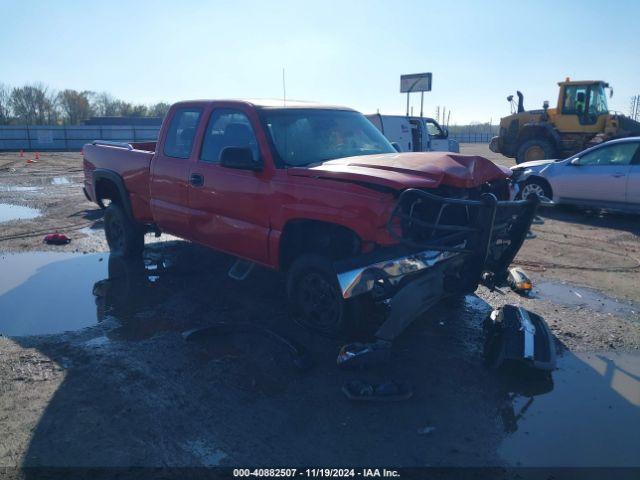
(415, 82)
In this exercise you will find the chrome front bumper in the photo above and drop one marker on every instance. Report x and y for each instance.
(363, 279)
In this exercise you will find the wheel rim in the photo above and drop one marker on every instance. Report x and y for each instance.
(534, 152)
(115, 233)
(318, 302)
(533, 188)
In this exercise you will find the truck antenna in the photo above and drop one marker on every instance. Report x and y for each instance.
(284, 90)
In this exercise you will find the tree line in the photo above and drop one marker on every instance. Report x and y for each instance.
(37, 104)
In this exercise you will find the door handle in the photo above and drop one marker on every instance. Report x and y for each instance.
(196, 180)
(618, 175)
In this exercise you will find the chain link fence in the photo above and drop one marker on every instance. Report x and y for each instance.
(472, 137)
(61, 138)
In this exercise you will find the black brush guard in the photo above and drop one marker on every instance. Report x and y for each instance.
(491, 234)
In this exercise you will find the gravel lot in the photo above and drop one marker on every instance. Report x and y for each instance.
(96, 369)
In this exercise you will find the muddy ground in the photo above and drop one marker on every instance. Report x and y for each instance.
(97, 367)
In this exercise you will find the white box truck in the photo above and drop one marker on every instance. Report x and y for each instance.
(414, 134)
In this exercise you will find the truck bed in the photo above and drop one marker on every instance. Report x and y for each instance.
(131, 161)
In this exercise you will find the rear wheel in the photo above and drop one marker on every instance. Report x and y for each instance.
(316, 298)
(538, 149)
(124, 236)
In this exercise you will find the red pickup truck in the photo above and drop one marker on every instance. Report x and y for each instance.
(317, 192)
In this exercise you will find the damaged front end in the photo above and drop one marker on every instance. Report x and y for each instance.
(446, 247)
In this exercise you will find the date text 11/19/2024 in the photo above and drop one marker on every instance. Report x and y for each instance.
(315, 473)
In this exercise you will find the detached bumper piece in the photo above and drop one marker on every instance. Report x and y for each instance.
(515, 334)
(519, 281)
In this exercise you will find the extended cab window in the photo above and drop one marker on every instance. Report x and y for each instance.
(181, 132)
(227, 128)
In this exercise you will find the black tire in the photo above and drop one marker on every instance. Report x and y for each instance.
(539, 148)
(454, 301)
(315, 297)
(124, 236)
(493, 345)
(537, 186)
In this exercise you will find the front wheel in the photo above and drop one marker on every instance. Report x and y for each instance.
(537, 187)
(315, 297)
(124, 236)
(535, 150)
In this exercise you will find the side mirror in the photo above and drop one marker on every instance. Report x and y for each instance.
(575, 162)
(445, 132)
(396, 146)
(240, 158)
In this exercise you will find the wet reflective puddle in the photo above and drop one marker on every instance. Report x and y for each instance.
(10, 212)
(589, 415)
(19, 188)
(52, 292)
(48, 292)
(581, 297)
(60, 181)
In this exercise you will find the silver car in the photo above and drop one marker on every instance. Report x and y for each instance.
(605, 176)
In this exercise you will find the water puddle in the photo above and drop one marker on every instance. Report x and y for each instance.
(48, 292)
(9, 211)
(19, 188)
(53, 292)
(589, 415)
(60, 181)
(580, 297)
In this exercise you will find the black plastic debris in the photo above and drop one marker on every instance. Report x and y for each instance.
(514, 334)
(359, 391)
(362, 355)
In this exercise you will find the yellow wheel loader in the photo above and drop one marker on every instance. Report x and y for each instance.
(581, 119)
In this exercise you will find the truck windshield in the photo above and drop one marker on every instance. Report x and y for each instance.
(303, 137)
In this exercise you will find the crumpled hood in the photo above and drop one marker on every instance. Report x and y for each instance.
(409, 170)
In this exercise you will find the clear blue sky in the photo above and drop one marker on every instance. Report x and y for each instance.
(344, 52)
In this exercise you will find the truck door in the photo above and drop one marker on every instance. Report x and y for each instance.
(169, 179)
(228, 207)
(419, 139)
(438, 138)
